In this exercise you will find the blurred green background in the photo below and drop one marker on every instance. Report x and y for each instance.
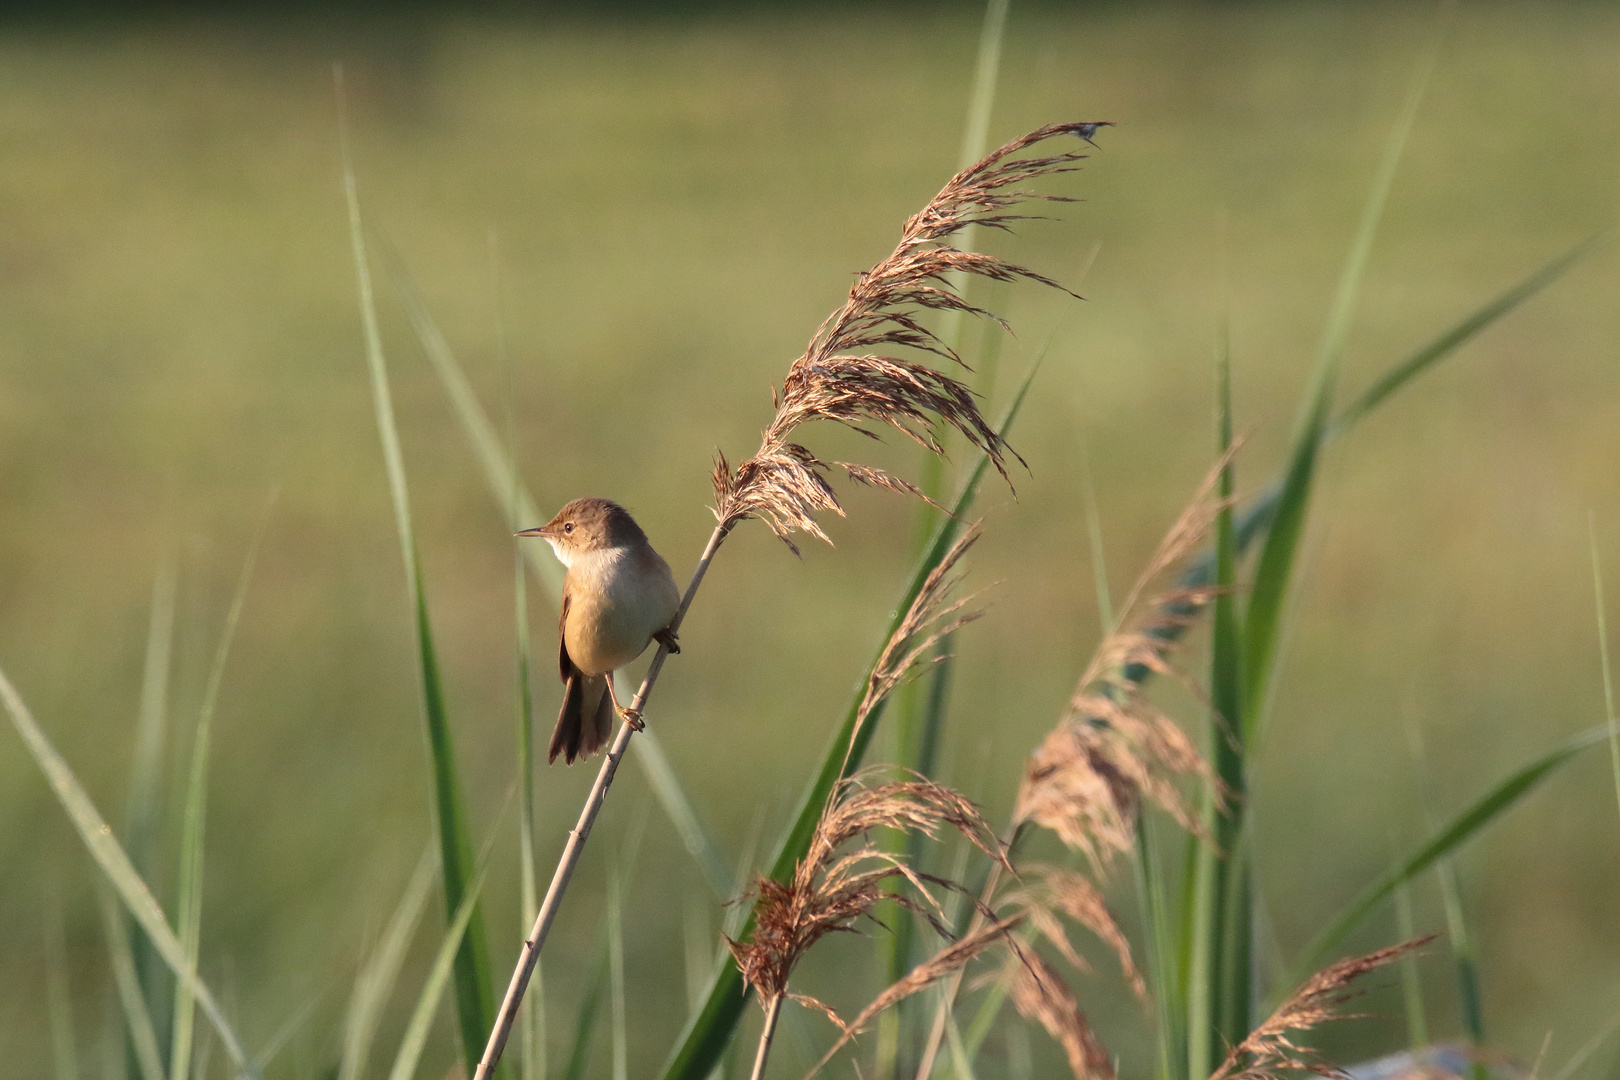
(675, 204)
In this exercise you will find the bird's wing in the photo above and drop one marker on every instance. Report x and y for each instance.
(565, 663)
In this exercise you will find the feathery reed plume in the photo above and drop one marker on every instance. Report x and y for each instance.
(1049, 892)
(952, 958)
(1112, 747)
(837, 378)
(784, 484)
(932, 617)
(1270, 1052)
(830, 892)
(1040, 994)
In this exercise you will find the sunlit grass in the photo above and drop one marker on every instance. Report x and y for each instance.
(674, 230)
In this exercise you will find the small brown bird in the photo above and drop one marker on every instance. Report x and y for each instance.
(618, 596)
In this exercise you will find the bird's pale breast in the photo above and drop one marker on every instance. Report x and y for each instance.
(617, 600)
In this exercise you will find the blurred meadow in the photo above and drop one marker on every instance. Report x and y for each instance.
(626, 226)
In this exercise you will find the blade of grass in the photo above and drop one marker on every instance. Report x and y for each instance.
(427, 1003)
(589, 1004)
(284, 1035)
(113, 861)
(1417, 1021)
(1274, 571)
(1448, 838)
(975, 136)
(1256, 518)
(697, 937)
(1464, 957)
(1224, 917)
(602, 980)
(474, 1004)
(532, 1037)
(1584, 1054)
(1460, 940)
(615, 924)
(190, 885)
(142, 809)
(375, 981)
(709, 1031)
(137, 1017)
(1476, 321)
(532, 1014)
(1603, 654)
(961, 1063)
(59, 995)
(1168, 997)
(521, 511)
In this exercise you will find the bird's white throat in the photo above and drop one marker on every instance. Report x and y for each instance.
(562, 553)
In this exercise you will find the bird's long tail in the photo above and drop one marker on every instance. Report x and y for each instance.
(586, 719)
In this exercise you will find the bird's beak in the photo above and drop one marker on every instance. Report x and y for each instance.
(537, 531)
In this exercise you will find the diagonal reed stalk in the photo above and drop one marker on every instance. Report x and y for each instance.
(837, 378)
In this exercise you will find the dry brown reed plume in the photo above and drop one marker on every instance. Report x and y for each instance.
(1040, 994)
(932, 617)
(952, 958)
(839, 378)
(1271, 1053)
(830, 892)
(1046, 895)
(1112, 747)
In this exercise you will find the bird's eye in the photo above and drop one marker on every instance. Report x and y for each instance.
(569, 527)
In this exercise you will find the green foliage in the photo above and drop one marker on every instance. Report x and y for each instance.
(474, 1007)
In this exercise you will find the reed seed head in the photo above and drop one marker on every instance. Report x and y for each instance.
(848, 373)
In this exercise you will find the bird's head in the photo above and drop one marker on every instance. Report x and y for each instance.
(587, 525)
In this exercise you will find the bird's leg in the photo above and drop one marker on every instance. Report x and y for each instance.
(631, 716)
(666, 638)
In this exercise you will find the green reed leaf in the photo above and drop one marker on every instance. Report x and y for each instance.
(474, 1004)
(114, 864)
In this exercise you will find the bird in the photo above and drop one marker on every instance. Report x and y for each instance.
(1086, 131)
(618, 597)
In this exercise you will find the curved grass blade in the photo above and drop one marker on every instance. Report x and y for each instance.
(137, 1017)
(142, 810)
(709, 1031)
(1225, 917)
(616, 1016)
(114, 863)
(1447, 839)
(416, 1032)
(1449, 341)
(1274, 572)
(189, 915)
(579, 1052)
(1417, 1019)
(1603, 653)
(59, 996)
(474, 1004)
(532, 1035)
(376, 977)
(284, 1035)
(520, 509)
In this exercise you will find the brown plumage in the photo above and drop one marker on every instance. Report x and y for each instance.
(618, 596)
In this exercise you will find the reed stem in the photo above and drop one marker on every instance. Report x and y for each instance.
(772, 1012)
(582, 831)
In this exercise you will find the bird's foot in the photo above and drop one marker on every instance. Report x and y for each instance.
(666, 637)
(633, 718)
